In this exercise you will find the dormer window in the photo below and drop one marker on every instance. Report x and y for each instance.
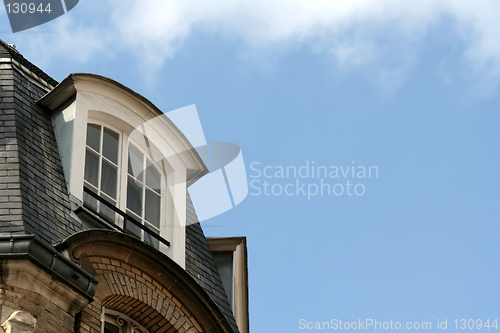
(102, 128)
(140, 196)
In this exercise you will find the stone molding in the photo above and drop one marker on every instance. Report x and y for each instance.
(28, 247)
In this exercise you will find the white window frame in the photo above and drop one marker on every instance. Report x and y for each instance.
(163, 186)
(122, 178)
(120, 163)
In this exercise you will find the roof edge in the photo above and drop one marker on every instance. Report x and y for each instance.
(69, 86)
(28, 66)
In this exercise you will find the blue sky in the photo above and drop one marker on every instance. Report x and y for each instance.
(411, 88)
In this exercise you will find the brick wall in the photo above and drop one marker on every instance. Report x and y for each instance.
(50, 318)
(89, 320)
(130, 291)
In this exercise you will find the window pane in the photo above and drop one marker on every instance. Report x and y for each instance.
(91, 167)
(134, 196)
(153, 203)
(106, 211)
(132, 229)
(89, 201)
(224, 263)
(110, 145)
(110, 328)
(150, 239)
(135, 162)
(108, 179)
(94, 136)
(153, 177)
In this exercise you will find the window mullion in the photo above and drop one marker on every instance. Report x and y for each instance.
(99, 175)
(100, 158)
(99, 172)
(122, 175)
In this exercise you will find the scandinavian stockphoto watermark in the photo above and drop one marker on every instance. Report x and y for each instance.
(27, 14)
(310, 180)
(221, 189)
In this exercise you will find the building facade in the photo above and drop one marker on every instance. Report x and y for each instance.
(97, 229)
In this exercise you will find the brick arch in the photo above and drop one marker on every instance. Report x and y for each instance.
(133, 292)
(144, 314)
(143, 283)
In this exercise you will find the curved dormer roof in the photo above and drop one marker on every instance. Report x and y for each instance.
(112, 95)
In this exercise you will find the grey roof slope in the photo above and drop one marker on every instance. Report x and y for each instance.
(8, 52)
(201, 266)
(33, 196)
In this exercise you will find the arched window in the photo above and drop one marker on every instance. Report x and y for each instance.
(116, 322)
(132, 183)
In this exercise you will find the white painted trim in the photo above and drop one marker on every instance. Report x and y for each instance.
(101, 87)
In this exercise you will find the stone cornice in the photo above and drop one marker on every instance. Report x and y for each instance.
(48, 258)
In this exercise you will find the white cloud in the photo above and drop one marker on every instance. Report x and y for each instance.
(377, 34)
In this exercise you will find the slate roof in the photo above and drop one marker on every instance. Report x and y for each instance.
(201, 266)
(33, 195)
